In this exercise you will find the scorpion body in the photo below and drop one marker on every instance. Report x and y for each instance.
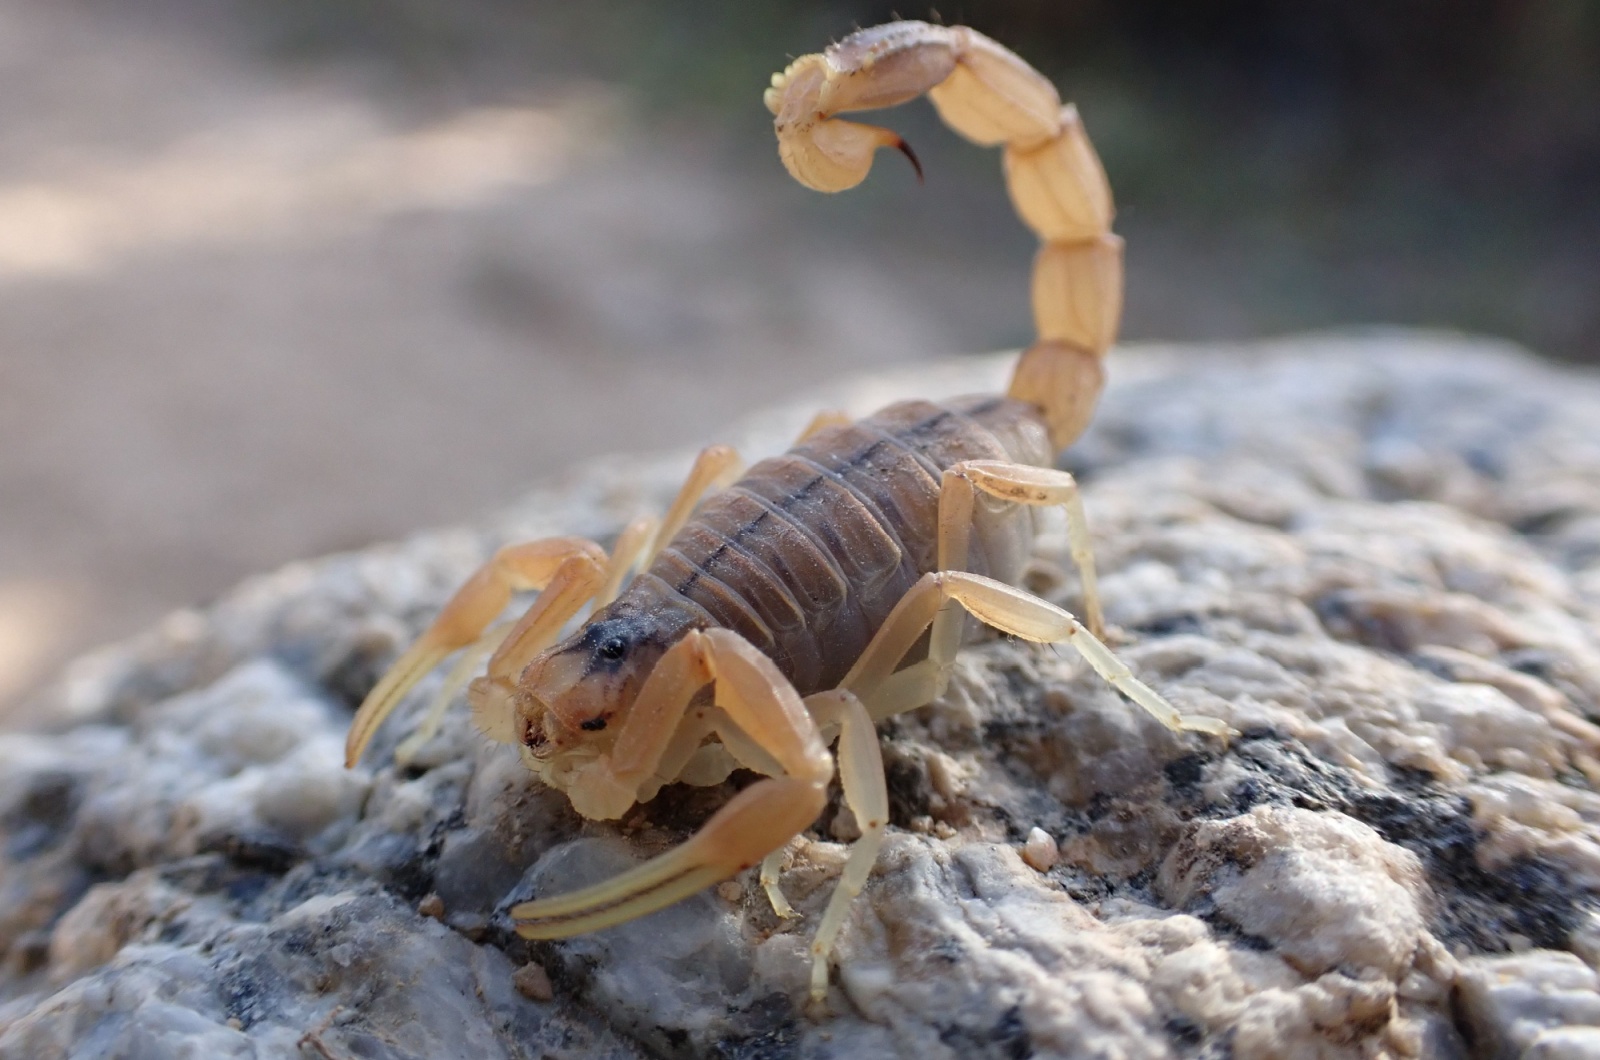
(828, 588)
(806, 554)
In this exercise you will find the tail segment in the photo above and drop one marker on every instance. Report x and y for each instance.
(1055, 179)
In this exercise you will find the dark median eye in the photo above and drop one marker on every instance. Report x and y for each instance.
(612, 649)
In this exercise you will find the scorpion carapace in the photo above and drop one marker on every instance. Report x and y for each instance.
(826, 589)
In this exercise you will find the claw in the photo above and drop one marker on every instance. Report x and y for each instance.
(458, 678)
(634, 894)
(402, 677)
(570, 566)
(760, 818)
(835, 154)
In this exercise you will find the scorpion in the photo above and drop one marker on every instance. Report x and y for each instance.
(774, 617)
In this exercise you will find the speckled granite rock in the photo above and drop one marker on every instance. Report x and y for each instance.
(1377, 557)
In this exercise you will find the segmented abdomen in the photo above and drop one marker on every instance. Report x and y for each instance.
(808, 552)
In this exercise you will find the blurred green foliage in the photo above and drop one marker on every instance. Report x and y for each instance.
(1416, 161)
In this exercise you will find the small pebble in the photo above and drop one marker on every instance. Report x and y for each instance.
(533, 982)
(1040, 851)
(432, 906)
(731, 890)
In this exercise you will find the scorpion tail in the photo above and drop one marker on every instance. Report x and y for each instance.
(1060, 191)
(1056, 182)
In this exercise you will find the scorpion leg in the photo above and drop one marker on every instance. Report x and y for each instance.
(641, 538)
(1010, 610)
(531, 565)
(459, 677)
(1022, 484)
(893, 692)
(715, 467)
(822, 421)
(761, 704)
(771, 865)
(574, 582)
(866, 792)
(624, 554)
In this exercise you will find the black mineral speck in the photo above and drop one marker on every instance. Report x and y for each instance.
(1474, 906)
(1187, 771)
(351, 676)
(1184, 1031)
(256, 850)
(1171, 625)
(1347, 618)
(39, 819)
(1008, 1039)
(1012, 1035)
(907, 777)
(774, 1033)
(242, 995)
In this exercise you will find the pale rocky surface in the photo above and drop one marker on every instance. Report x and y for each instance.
(1376, 557)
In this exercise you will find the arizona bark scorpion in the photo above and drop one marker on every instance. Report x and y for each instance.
(773, 615)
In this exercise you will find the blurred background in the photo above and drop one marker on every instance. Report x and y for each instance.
(280, 277)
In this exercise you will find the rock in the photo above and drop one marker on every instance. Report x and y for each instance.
(1376, 557)
(1536, 1004)
(1040, 850)
(1322, 890)
(533, 983)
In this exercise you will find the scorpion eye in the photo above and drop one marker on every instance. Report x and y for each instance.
(612, 648)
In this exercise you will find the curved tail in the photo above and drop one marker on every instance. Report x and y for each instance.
(1055, 179)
